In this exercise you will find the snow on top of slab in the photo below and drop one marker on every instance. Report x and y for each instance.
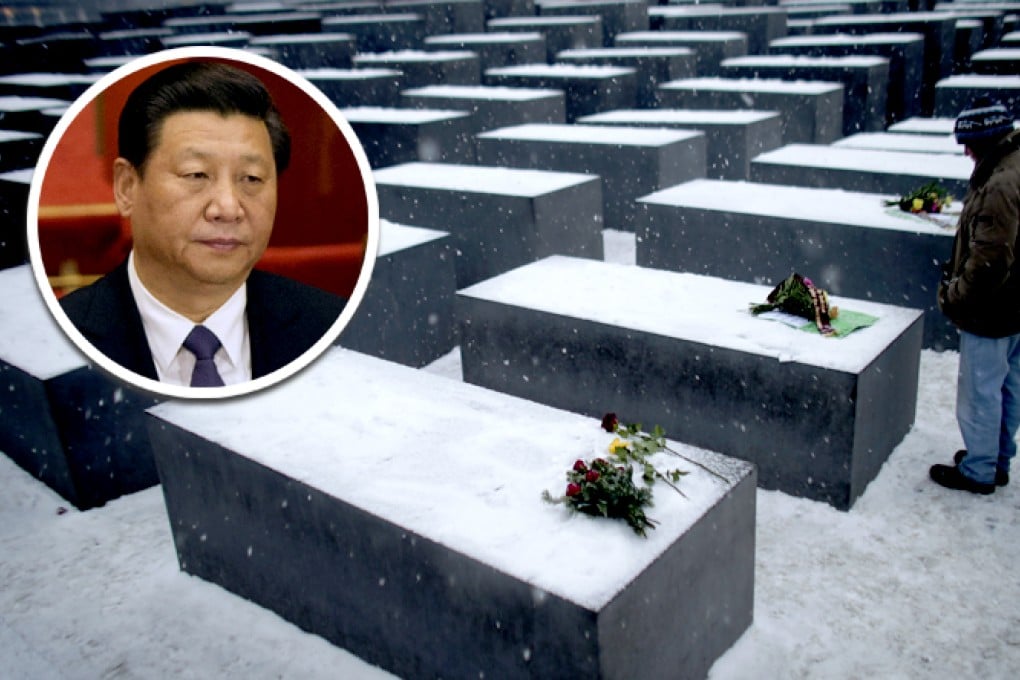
(347, 73)
(384, 114)
(948, 166)
(415, 55)
(18, 103)
(792, 60)
(398, 17)
(996, 54)
(544, 21)
(47, 79)
(202, 38)
(691, 307)
(501, 93)
(846, 39)
(457, 464)
(394, 237)
(32, 340)
(302, 38)
(17, 135)
(480, 178)
(764, 85)
(894, 18)
(830, 206)
(892, 141)
(974, 80)
(692, 36)
(712, 11)
(561, 70)
(611, 52)
(590, 134)
(920, 125)
(681, 116)
(23, 176)
(484, 38)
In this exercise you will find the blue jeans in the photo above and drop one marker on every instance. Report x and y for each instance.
(988, 403)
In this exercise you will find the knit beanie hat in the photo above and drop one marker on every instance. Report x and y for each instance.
(985, 120)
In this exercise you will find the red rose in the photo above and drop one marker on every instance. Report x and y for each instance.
(609, 422)
(573, 489)
(579, 466)
(592, 476)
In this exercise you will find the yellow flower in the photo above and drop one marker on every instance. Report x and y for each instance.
(917, 205)
(947, 201)
(618, 444)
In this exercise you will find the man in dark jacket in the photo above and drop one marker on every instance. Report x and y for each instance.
(980, 293)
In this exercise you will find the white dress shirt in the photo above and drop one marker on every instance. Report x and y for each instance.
(166, 330)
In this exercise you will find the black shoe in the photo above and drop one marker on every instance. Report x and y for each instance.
(1001, 476)
(950, 477)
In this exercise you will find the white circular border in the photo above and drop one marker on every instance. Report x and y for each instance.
(165, 389)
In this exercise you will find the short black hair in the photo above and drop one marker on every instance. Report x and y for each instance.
(196, 86)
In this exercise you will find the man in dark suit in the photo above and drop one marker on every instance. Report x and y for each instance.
(200, 147)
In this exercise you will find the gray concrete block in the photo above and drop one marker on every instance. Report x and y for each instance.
(589, 89)
(1003, 61)
(67, 86)
(444, 16)
(390, 136)
(905, 52)
(321, 50)
(273, 23)
(494, 49)
(850, 244)
(492, 107)
(28, 114)
(407, 314)
(14, 187)
(654, 66)
(618, 16)
(874, 172)
(380, 32)
(938, 28)
(19, 149)
(818, 416)
(497, 218)
(133, 41)
(358, 87)
(733, 137)
(68, 424)
(231, 39)
(955, 93)
(709, 47)
(627, 159)
(561, 33)
(865, 82)
(810, 112)
(761, 24)
(428, 570)
(421, 68)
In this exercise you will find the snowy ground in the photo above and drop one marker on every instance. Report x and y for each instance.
(914, 582)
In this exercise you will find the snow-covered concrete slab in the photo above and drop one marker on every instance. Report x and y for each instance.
(14, 186)
(399, 515)
(588, 88)
(865, 81)
(851, 244)
(865, 170)
(761, 24)
(444, 16)
(358, 87)
(380, 32)
(316, 50)
(955, 93)
(812, 112)
(70, 425)
(733, 137)
(709, 47)
(19, 149)
(492, 107)
(27, 113)
(905, 52)
(495, 49)
(654, 66)
(902, 141)
(618, 16)
(629, 160)
(390, 135)
(421, 67)
(817, 415)
(269, 23)
(561, 32)
(497, 218)
(407, 314)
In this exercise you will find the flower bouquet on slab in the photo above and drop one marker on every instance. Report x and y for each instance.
(605, 487)
(797, 298)
(929, 201)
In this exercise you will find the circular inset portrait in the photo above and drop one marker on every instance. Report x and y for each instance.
(203, 222)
